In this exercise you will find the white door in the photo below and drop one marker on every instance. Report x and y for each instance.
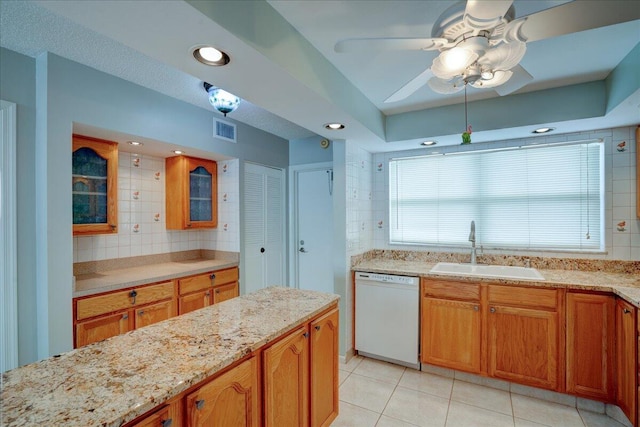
(264, 222)
(314, 236)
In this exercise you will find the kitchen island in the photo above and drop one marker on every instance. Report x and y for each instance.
(115, 381)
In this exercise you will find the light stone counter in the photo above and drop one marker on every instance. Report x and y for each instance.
(626, 286)
(111, 280)
(114, 381)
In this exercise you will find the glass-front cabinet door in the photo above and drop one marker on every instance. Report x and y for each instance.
(94, 186)
(191, 193)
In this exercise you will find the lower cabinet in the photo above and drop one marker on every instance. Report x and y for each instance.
(451, 327)
(285, 366)
(300, 374)
(102, 328)
(228, 400)
(627, 368)
(194, 301)
(154, 313)
(161, 418)
(590, 345)
(324, 369)
(225, 292)
(202, 290)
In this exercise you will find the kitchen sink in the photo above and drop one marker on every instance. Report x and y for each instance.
(483, 270)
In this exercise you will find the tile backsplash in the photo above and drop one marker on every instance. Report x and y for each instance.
(359, 201)
(621, 227)
(141, 215)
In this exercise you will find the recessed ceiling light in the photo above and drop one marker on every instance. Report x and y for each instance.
(210, 56)
(428, 143)
(334, 126)
(135, 143)
(543, 130)
(178, 152)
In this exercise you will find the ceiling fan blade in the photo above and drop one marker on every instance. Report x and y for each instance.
(483, 15)
(571, 17)
(381, 44)
(519, 79)
(413, 85)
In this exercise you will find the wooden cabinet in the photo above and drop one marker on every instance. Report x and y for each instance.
(154, 313)
(523, 335)
(191, 193)
(99, 317)
(285, 368)
(626, 366)
(451, 326)
(590, 345)
(231, 399)
(324, 369)
(205, 289)
(225, 292)
(94, 186)
(102, 328)
(160, 418)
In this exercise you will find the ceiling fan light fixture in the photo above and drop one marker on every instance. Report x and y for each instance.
(504, 56)
(499, 77)
(453, 62)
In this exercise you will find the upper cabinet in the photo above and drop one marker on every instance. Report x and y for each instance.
(94, 186)
(191, 193)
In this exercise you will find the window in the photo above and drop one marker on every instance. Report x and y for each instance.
(544, 197)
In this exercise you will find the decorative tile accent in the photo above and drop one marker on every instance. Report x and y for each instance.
(156, 217)
(136, 162)
(135, 228)
(156, 176)
(622, 146)
(621, 226)
(135, 195)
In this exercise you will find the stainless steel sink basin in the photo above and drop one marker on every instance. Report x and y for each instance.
(482, 270)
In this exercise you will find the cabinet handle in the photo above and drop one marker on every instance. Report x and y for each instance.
(207, 294)
(199, 404)
(626, 311)
(166, 423)
(476, 308)
(217, 291)
(213, 276)
(306, 335)
(317, 327)
(133, 294)
(141, 312)
(492, 309)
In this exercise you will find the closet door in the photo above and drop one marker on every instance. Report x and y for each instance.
(264, 222)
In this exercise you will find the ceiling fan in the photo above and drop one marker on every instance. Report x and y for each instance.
(481, 42)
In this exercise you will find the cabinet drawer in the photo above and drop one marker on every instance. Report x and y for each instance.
(451, 290)
(206, 280)
(524, 296)
(95, 306)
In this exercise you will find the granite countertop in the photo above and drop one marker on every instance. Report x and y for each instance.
(626, 286)
(114, 381)
(111, 280)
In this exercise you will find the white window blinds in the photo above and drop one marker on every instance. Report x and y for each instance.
(530, 198)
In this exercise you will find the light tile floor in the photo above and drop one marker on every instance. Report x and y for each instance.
(380, 394)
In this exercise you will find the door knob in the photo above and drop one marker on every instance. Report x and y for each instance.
(261, 250)
(303, 250)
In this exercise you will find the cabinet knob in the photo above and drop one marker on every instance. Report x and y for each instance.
(476, 308)
(212, 277)
(317, 327)
(188, 224)
(113, 226)
(207, 294)
(306, 335)
(492, 309)
(133, 294)
(166, 423)
(141, 312)
(125, 316)
(217, 291)
(626, 311)
(199, 404)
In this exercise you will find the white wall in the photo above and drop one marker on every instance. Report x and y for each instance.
(621, 243)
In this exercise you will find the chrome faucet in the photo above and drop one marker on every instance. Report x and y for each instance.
(472, 239)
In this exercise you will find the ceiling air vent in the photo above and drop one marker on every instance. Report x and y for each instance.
(224, 130)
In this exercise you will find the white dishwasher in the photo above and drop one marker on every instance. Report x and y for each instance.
(387, 317)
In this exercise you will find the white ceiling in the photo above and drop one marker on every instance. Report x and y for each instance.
(149, 44)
